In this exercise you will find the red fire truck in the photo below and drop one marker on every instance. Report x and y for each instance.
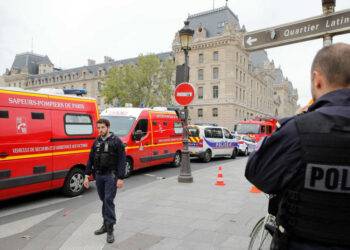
(45, 140)
(256, 128)
(151, 136)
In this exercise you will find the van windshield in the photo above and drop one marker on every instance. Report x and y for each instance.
(120, 125)
(248, 128)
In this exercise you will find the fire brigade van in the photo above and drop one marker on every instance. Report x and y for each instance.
(151, 136)
(207, 142)
(256, 128)
(45, 140)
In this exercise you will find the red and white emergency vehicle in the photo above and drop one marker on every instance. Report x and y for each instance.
(151, 136)
(45, 140)
(256, 128)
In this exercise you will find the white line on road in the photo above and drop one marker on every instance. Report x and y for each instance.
(22, 225)
(33, 205)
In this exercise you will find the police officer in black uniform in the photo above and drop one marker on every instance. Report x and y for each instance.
(306, 162)
(107, 157)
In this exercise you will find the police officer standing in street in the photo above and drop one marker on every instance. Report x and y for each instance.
(306, 162)
(107, 157)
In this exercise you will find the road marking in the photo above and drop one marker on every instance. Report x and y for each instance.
(151, 175)
(85, 233)
(22, 225)
(33, 205)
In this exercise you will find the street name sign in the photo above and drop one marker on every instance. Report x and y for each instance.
(307, 29)
(184, 93)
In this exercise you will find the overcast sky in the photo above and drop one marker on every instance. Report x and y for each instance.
(71, 31)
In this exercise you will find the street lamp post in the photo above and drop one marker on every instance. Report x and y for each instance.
(186, 34)
(328, 8)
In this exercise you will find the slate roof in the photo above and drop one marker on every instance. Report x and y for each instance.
(258, 58)
(31, 61)
(211, 20)
(279, 76)
(94, 68)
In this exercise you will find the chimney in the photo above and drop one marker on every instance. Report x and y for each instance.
(91, 62)
(108, 59)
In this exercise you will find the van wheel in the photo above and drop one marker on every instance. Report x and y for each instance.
(73, 185)
(129, 167)
(234, 153)
(207, 156)
(177, 160)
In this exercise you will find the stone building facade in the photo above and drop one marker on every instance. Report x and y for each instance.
(231, 84)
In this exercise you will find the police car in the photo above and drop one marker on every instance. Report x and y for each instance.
(207, 142)
(246, 144)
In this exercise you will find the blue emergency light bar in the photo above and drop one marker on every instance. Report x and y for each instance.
(205, 123)
(78, 92)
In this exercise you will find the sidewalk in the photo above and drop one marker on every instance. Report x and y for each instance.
(171, 215)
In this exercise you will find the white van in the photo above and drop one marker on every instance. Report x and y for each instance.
(207, 142)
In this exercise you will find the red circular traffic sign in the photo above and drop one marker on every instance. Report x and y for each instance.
(184, 93)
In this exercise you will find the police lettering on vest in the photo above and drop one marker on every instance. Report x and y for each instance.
(327, 178)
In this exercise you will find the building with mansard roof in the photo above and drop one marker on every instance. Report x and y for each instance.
(230, 83)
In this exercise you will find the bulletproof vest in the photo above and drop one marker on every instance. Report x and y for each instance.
(316, 204)
(105, 157)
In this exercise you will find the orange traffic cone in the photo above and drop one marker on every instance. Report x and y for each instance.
(254, 190)
(220, 181)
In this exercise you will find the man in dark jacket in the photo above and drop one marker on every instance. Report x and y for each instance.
(107, 156)
(306, 161)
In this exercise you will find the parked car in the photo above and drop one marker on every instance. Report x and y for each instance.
(246, 144)
(207, 142)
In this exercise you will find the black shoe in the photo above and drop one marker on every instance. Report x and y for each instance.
(110, 235)
(102, 230)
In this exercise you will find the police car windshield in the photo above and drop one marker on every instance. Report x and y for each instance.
(120, 125)
(194, 132)
(248, 128)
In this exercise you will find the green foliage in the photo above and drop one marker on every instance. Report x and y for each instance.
(149, 82)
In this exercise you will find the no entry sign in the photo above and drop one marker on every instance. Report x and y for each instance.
(184, 93)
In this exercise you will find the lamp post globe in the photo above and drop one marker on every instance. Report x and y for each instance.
(186, 34)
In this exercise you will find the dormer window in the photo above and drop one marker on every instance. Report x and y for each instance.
(221, 24)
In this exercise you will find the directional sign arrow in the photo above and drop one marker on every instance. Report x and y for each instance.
(251, 40)
(312, 28)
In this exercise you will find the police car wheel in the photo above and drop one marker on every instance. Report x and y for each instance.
(177, 160)
(246, 152)
(234, 153)
(73, 185)
(128, 167)
(207, 156)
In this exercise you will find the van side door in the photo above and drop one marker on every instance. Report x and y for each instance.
(141, 151)
(73, 134)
